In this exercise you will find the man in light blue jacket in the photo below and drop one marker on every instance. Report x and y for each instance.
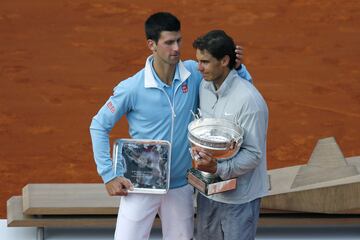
(231, 215)
(157, 102)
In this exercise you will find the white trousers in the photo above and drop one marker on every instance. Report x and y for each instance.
(138, 211)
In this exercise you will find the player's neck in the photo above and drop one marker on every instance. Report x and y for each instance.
(219, 81)
(165, 71)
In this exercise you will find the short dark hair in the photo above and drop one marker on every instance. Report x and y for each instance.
(218, 44)
(158, 22)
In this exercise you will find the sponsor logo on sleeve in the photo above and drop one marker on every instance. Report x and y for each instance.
(111, 107)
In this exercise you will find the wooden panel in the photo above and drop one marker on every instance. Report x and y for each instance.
(16, 218)
(14, 212)
(67, 199)
(329, 183)
(326, 163)
(333, 199)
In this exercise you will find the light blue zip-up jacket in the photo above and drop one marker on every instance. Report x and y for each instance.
(151, 114)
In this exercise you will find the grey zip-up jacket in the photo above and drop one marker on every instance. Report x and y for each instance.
(239, 101)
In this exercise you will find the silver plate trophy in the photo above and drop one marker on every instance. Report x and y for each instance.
(146, 163)
(220, 137)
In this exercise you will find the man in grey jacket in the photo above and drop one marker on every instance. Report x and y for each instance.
(234, 214)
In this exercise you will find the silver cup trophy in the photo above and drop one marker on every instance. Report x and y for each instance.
(220, 137)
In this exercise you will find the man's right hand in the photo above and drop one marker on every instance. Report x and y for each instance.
(119, 186)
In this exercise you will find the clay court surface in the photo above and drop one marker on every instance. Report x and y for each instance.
(59, 61)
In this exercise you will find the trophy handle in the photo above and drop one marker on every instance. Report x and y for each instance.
(235, 142)
(196, 115)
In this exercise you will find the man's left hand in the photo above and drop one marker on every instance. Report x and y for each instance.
(205, 162)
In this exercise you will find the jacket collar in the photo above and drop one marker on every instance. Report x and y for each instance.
(224, 86)
(150, 82)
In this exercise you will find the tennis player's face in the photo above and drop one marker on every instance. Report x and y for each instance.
(211, 68)
(167, 49)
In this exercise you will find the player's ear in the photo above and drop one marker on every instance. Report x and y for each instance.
(225, 60)
(152, 45)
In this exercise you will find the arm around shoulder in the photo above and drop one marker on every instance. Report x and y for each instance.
(243, 73)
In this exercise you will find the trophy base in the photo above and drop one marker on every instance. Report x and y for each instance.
(209, 186)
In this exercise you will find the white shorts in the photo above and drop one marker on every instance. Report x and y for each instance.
(138, 211)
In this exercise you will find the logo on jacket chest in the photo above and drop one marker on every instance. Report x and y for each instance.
(184, 88)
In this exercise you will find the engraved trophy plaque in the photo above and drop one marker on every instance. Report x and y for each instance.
(220, 137)
(146, 163)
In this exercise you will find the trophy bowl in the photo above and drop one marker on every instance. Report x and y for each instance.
(220, 137)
